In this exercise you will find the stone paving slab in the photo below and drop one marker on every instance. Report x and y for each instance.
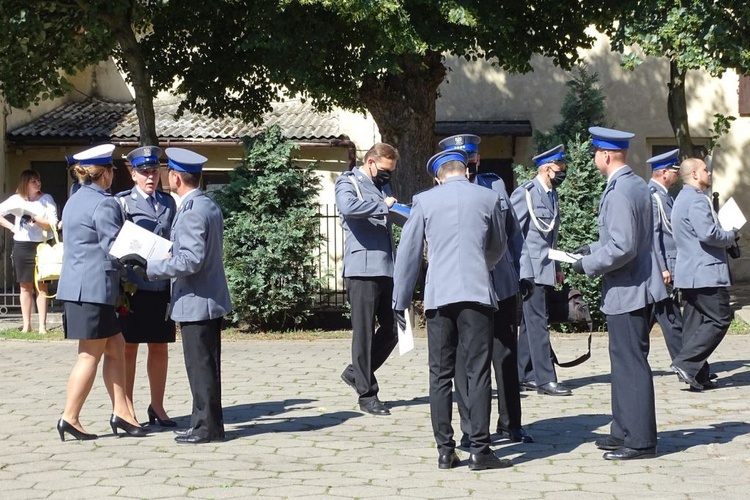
(294, 431)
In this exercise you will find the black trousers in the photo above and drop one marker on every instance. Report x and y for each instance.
(201, 343)
(534, 349)
(633, 409)
(466, 327)
(667, 314)
(706, 317)
(370, 300)
(504, 362)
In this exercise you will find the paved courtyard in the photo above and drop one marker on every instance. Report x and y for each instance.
(294, 431)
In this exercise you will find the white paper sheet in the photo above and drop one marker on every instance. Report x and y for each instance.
(730, 216)
(405, 336)
(135, 239)
(561, 256)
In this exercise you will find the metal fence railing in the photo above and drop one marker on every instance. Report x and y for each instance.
(332, 295)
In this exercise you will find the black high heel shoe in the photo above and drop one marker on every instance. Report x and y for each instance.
(132, 430)
(153, 417)
(63, 427)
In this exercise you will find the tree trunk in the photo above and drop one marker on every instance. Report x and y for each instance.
(403, 106)
(140, 77)
(677, 110)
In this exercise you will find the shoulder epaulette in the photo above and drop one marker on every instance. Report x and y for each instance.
(528, 185)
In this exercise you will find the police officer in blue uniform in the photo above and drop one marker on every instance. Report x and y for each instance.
(536, 206)
(507, 282)
(364, 201)
(200, 295)
(631, 281)
(147, 320)
(464, 227)
(665, 172)
(88, 289)
(701, 274)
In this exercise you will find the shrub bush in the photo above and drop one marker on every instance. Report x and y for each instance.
(271, 235)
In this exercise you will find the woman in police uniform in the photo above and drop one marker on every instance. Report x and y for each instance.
(88, 288)
(147, 320)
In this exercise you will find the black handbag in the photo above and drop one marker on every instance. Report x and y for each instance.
(567, 305)
(734, 250)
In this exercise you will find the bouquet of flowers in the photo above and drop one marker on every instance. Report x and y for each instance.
(127, 290)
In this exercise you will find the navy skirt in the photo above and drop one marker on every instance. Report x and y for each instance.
(87, 321)
(148, 321)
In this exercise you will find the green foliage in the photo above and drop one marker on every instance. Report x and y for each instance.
(39, 38)
(579, 199)
(697, 34)
(693, 35)
(271, 235)
(721, 126)
(583, 107)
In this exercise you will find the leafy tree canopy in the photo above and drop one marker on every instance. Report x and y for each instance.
(331, 50)
(696, 34)
(38, 39)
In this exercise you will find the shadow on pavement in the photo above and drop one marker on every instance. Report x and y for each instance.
(557, 436)
(576, 383)
(422, 400)
(680, 440)
(268, 417)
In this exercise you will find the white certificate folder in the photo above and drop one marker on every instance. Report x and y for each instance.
(135, 239)
(405, 336)
(730, 216)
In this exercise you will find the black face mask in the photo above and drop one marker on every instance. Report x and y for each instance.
(558, 178)
(382, 177)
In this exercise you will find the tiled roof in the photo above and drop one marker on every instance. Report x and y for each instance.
(94, 118)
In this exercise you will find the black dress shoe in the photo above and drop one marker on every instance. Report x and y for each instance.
(516, 435)
(163, 422)
(707, 385)
(482, 461)
(465, 442)
(553, 389)
(630, 453)
(375, 407)
(529, 385)
(687, 378)
(131, 430)
(448, 460)
(63, 427)
(192, 439)
(712, 376)
(183, 432)
(348, 382)
(609, 443)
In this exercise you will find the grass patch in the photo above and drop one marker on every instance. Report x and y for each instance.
(237, 334)
(55, 334)
(738, 327)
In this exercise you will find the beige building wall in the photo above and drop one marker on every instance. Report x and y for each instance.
(636, 101)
